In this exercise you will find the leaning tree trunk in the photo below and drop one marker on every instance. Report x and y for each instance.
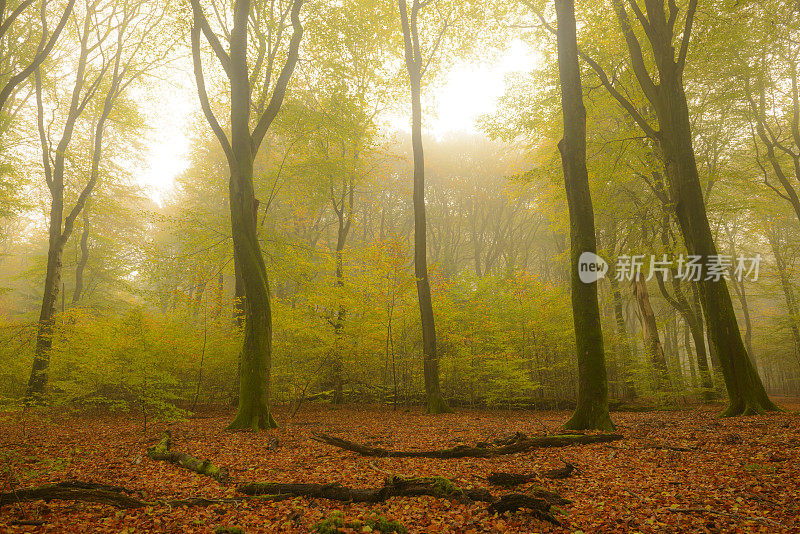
(652, 343)
(745, 390)
(591, 411)
(674, 142)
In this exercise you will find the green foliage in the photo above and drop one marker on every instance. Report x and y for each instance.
(335, 521)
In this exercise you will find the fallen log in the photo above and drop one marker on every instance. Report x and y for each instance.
(394, 486)
(465, 451)
(562, 472)
(111, 495)
(513, 502)
(74, 491)
(162, 451)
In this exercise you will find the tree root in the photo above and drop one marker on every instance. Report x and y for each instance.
(161, 451)
(521, 444)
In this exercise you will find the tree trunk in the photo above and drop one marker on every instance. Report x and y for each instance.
(60, 227)
(625, 342)
(345, 217)
(52, 285)
(674, 142)
(652, 343)
(745, 390)
(256, 356)
(591, 411)
(84, 259)
(435, 402)
(788, 293)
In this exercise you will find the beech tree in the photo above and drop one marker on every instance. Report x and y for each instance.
(111, 36)
(591, 411)
(241, 148)
(417, 63)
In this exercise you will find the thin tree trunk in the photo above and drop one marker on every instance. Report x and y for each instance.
(414, 64)
(652, 343)
(84, 259)
(344, 216)
(591, 411)
(788, 292)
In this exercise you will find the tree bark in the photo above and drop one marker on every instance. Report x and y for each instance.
(674, 142)
(414, 65)
(591, 411)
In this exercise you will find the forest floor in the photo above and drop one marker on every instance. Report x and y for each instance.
(736, 475)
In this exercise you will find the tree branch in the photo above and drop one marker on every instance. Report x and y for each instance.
(282, 82)
(203, 95)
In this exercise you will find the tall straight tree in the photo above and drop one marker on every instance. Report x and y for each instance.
(591, 411)
(416, 65)
(673, 140)
(240, 151)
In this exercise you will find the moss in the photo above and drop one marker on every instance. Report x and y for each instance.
(228, 530)
(330, 524)
(386, 526)
(444, 486)
(335, 521)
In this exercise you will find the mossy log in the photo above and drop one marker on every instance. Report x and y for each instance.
(74, 491)
(394, 486)
(521, 444)
(103, 494)
(162, 451)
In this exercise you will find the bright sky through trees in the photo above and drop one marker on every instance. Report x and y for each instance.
(469, 91)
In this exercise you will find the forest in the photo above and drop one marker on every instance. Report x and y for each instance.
(412, 266)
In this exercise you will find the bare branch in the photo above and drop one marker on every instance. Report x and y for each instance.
(45, 47)
(282, 82)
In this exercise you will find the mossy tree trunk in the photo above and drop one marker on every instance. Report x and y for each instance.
(673, 140)
(591, 411)
(251, 274)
